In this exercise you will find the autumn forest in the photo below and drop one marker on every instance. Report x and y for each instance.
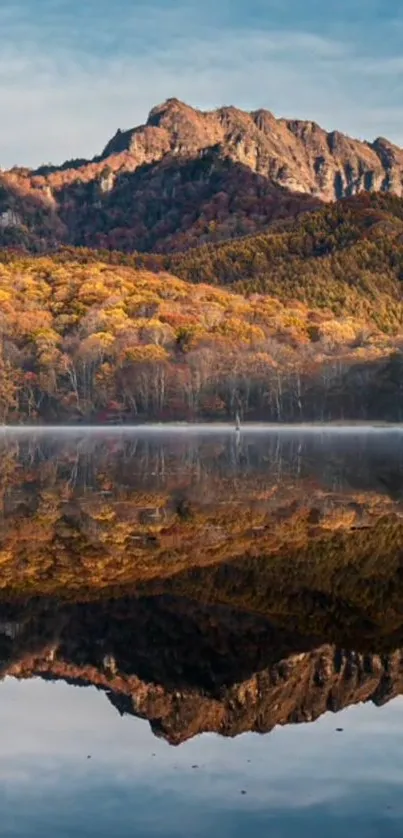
(303, 322)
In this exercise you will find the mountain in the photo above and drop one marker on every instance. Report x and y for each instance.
(187, 177)
(123, 320)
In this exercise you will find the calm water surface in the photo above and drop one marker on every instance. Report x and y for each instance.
(201, 633)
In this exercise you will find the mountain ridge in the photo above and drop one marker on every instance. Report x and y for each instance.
(188, 176)
(231, 126)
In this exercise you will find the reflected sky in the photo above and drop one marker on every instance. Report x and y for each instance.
(302, 780)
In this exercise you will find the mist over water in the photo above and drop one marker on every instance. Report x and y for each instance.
(206, 428)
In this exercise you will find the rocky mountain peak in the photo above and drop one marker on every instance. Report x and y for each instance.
(276, 168)
(295, 154)
(167, 110)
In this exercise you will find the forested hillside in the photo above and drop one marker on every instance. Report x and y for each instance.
(84, 340)
(347, 257)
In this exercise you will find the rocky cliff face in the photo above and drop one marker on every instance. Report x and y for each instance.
(297, 155)
(188, 176)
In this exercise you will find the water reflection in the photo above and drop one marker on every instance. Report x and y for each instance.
(83, 514)
(308, 780)
(189, 668)
(200, 584)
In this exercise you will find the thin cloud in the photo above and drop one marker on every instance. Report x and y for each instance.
(60, 99)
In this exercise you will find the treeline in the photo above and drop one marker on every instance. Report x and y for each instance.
(95, 342)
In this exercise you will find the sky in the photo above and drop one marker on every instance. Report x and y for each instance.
(73, 71)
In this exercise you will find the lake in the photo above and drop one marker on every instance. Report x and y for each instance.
(201, 632)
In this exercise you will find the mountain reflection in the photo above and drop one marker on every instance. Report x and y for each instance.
(206, 583)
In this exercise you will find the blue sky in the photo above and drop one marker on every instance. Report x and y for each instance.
(73, 71)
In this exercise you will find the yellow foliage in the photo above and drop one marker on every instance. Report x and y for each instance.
(149, 353)
(78, 331)
(340, 331)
